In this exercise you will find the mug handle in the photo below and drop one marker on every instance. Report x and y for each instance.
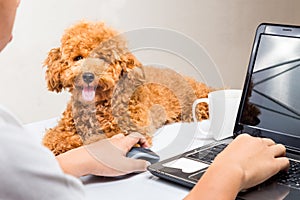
(196, 102)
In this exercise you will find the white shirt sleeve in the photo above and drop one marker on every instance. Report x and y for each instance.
(29, 170)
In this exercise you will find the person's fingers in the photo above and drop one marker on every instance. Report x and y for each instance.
(130, 165)
(278, 150)
(142, 140)
(243, 136)
(125, 143)
(145, 144)
(136, 165)
(283, 163)
(133, 139)
(268, 141)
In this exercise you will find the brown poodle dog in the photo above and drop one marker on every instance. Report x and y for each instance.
(111, 91)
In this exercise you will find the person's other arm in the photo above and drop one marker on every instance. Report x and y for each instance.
(246, 162)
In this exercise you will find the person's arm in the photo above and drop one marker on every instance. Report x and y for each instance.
(104, 158)
(246, 162)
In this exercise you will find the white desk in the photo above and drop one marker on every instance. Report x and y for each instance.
(168, 141)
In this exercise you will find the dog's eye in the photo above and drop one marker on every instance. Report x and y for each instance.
(78, 58)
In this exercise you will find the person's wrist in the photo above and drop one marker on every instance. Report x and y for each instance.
(223, 177)
(233, 175)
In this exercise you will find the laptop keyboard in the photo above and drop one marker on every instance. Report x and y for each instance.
(208, 155)
(290, 178)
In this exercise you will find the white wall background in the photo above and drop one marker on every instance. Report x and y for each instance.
(225, 28)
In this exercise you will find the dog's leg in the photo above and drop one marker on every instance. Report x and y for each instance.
(63, 137)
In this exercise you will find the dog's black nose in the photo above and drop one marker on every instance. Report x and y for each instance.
(88, 77)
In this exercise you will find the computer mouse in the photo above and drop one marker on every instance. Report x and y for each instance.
(144, 154)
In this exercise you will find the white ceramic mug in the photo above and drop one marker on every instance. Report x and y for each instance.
(222, 106)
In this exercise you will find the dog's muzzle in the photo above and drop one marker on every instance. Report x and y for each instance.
(88, 91)
(88, 77)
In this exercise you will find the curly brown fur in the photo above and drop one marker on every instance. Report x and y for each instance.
(111, 92)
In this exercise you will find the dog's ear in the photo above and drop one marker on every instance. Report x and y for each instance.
(129, 61)
(53, 63)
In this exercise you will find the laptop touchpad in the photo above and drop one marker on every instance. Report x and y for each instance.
(186, 165)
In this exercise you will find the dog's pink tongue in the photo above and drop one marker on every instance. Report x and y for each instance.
(88, 93)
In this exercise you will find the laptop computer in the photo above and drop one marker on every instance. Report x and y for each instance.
(269, 107)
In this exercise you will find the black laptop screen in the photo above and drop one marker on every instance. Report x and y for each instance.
(272, 102)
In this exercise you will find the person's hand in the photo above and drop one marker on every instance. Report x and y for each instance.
(105, 157)
(244, 163)
(257, 159)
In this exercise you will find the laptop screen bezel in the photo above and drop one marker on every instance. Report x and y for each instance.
(290, 141)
